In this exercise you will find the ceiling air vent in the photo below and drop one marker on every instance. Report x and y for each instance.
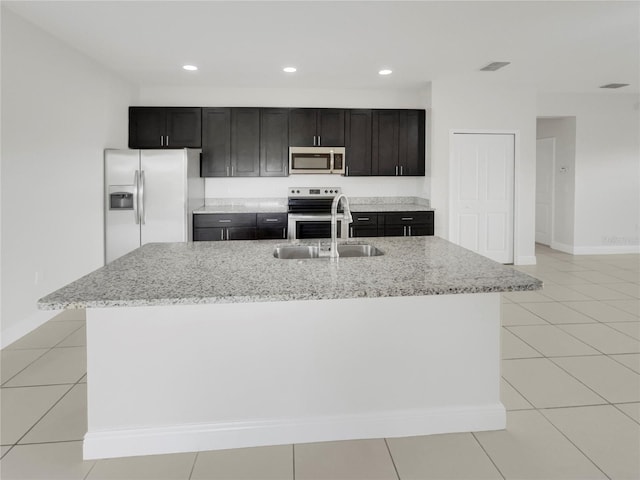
(615, 85)
(493, 66)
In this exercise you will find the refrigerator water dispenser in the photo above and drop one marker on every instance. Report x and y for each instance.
(120, 198)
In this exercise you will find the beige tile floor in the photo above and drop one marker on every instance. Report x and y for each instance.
(571, 385)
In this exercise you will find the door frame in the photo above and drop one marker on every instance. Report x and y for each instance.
(553, 188)
(516, 174)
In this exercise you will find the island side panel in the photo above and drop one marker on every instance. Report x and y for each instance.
(199, 377)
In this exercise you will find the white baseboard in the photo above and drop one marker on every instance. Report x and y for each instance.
(200, 437)
(562, 247)
(606, 249)
(526, 260)
(26, 325)
(596, 249)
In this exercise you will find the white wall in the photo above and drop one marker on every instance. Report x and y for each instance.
(480, 103)
(60, 109)
(564, 131)
(295, 97)
(607, 168)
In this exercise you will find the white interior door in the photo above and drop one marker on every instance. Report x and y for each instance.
(545, 161)
(164, 175)
(482, 194)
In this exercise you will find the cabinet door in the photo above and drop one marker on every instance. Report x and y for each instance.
(208, 234)
(147, 127)
(245, 142)
(411, 142)
(241, 233)
(385, 142)
(302, 127)
(395, 230)
(330, 127)
(357, 231)
(274, 142)
(184, 127)
(216, 142)
(358, 142)
(421, 230)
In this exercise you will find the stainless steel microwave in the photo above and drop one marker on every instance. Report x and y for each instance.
(316, 160)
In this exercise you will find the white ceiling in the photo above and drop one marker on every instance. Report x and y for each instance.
(572, 46)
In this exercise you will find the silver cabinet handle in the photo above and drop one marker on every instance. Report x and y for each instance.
(222, 234)
(141, 191)
(347, 171)
(396, 170)
(407, 218)
(162, 140)
(410, 233)
(404, 230)
(314, 140)
(227, 170)
(270, 219)
(284, 232)
(401, 167)
(224, 220)
(319, 141)
(136, 184)
(167, 140)
(363, 218)
(232, 170)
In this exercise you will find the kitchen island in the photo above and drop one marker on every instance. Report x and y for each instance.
(212, 345)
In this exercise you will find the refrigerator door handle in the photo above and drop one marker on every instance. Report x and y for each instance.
(136, 214)
(141, 197)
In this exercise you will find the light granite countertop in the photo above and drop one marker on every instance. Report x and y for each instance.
(279, 205)
(247, 271)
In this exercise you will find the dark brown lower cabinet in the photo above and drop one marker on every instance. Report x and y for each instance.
(364, 225)
(391, 224)
(405, 224)
(239, 226)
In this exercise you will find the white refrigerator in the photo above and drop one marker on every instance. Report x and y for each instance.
(149, 197)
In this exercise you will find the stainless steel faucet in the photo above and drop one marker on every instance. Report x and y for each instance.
(346, 220)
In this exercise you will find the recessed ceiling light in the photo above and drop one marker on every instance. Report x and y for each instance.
(289, 69)
(493, 66)
(191, 68)
(615, 85)
(385, 71)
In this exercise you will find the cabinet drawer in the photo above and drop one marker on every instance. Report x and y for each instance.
(365, 219)
(408, 218)
(272, 219)
(224, 220)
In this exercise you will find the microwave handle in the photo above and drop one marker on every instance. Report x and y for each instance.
(331, 162)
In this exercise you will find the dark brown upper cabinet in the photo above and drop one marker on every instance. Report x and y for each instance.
(411, 142)
(230, 142)
(309, 127)
(216, 142)
(274, 142)
(398, 142)
(358, 142)
(165, 127)
(245, 142)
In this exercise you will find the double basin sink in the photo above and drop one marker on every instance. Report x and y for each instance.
(299, 252)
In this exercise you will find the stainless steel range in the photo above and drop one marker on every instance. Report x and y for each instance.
(310, 212)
